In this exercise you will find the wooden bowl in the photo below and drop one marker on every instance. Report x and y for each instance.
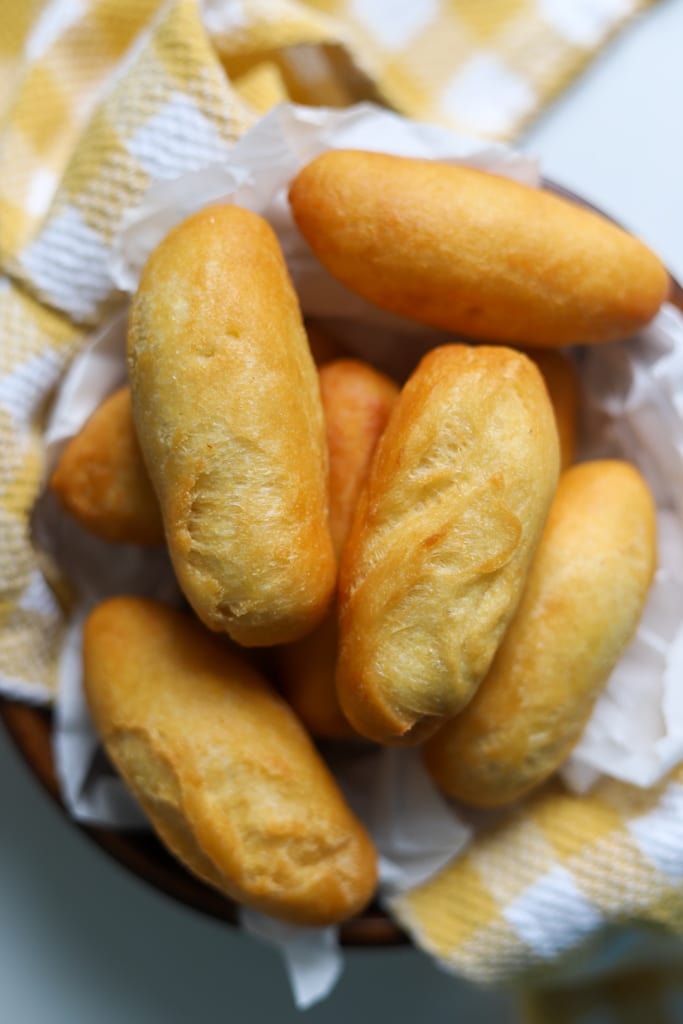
(141, 852)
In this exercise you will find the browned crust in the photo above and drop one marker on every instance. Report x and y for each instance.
(225, 772)
(228, 411)
(473, 252)
(581, 605)
(101, 479)
(458, 492)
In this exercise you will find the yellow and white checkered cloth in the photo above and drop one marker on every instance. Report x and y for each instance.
(545, 878)
(98, 98)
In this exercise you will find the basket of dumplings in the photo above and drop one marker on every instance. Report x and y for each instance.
(393, 447)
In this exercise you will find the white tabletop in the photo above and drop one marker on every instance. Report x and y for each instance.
(83, 941)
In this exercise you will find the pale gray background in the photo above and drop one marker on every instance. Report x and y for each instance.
(81, 940)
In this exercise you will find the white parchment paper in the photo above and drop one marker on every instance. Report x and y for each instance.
(633, 408)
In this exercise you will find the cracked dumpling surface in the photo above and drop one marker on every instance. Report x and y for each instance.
(228, 412)
(458, 492)
(223, 768)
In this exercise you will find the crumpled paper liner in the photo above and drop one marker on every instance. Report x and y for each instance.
(632, 408)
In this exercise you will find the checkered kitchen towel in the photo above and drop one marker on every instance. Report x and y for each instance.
(549, 875)
(98, 98)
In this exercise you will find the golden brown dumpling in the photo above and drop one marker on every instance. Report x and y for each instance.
(458, 492)
(227, 775)
(228, 412)
(473, 252)
(583, 599)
